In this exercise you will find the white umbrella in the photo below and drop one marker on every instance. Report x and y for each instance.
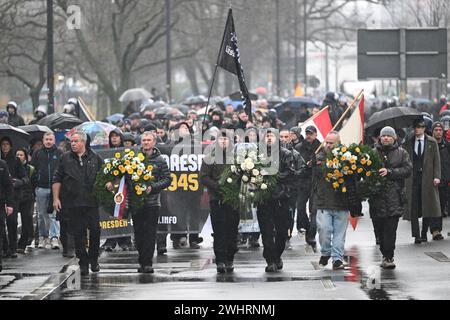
(135, 95)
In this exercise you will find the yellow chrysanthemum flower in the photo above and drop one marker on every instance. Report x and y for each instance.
(360, 170)
(350, 171)
(108, 166)
(127, 162)
(344, 189)
(134, 166)
(354, 167)
(130, 171)
(139, 172)
(141, 156)
(335, 185)
(330, 175)
(116, 172)
(117, 155)
(137, 188)
(346, 168)
(131, 153)
(146, 177)
(368, 173)
(342, 158)
(363, 161)
(369, 163)
(357, 150)
(138, 192)
(341, 181)
(344, 149)
(150, 168)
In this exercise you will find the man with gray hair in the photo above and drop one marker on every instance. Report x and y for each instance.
(73, 192)
(387, 206)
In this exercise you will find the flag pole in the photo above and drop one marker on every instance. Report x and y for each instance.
(215, 71)
(341, 118)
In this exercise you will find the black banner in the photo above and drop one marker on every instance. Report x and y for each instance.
(184, 204)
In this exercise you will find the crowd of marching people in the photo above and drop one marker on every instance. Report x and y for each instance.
(56, 182)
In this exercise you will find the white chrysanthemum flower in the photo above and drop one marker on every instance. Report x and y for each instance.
(347, 155)
(253, 180)
(244, 178)
(229, 180)
(252, 194)
(255, 172)
(127, 168)
(263, 186)
(233, 168)
(249, 164)
(105, 171)
(244, 166)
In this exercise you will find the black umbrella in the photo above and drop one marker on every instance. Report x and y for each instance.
(61, 121)
(181, 107)
(36, 131)
(19, 138)
(396, 117)
(237, 96)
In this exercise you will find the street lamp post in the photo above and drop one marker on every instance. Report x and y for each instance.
(50, 78)
(277, 45)
(168, 54)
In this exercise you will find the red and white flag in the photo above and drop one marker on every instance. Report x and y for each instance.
(321, 120)
(353, 129)
(120, 200)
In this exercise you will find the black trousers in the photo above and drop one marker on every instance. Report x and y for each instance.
(65, 235)
(416, 204)
(2, 226)
(145, 224)
(274, 219)
(292, 207)
(11, 224)
(387, 232)
(225, 223)
(312, 228)
(26, 215)
(82, 219)
(443, 197)
(304, 193)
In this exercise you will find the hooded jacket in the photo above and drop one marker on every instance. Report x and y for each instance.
(14, 119)
(116, 131)
(17, 172)
(6, 187)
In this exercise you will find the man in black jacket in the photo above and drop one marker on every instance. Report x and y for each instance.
(273, 214)
(19, 178)
(45, 161)
(224, 219)
(387, 206)
(6, 201)
(307, 151)
(444, 151)
(145, 220)
(73, 192)
(14, 119)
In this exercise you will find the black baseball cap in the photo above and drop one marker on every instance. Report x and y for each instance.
(311, 129)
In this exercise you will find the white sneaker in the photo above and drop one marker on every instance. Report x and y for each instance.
(183, 241)
(47, 243)
(55, 244)
(41, 244)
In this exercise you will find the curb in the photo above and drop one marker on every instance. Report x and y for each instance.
(68, 277)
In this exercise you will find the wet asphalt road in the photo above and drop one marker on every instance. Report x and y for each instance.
(423, 272)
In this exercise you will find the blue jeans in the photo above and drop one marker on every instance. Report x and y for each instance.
(332, 226)
(48, 226)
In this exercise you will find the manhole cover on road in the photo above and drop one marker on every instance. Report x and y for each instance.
(439, 256)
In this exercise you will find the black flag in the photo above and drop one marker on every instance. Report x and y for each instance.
(229, 60)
